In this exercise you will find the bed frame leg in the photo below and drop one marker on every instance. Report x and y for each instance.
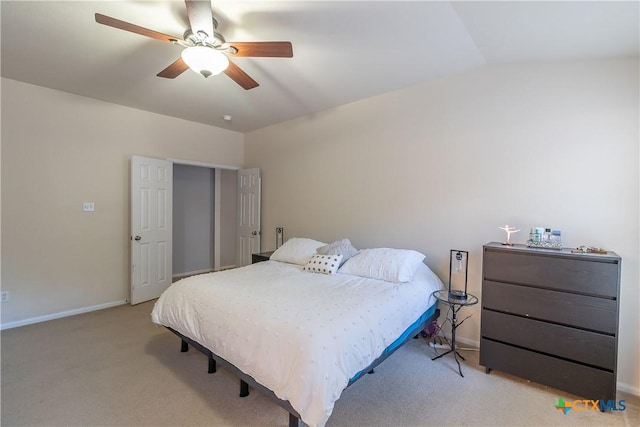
(295, 421)
(212, 365)
(184, 347)
(244, 389)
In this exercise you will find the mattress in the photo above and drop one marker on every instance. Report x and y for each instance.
(302, 335)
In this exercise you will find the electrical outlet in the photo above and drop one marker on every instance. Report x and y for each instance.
(4, 296)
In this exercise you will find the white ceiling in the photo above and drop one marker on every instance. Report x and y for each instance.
(343, 50)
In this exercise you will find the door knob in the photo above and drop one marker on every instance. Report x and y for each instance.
(254, 233)
(137, 238)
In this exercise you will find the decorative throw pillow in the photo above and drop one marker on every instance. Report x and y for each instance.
(392, 265)
(297, 250)
(339, 247)
(325, 264)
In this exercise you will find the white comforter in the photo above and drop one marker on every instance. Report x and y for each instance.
(302, 335)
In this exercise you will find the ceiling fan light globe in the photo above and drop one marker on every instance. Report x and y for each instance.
(205, 60)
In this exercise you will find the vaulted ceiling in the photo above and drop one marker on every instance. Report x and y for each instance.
(344, 51)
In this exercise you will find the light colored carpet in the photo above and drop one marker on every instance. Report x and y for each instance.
(115, 368)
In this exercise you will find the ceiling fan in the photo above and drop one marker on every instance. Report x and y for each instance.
(206, 51)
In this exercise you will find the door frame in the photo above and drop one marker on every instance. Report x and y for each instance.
(202, 164)
(249, 234)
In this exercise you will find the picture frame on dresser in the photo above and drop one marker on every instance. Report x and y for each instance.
(551, 317)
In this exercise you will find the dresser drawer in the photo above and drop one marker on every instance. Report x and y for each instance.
(581, 346)
(572, 377)
(586, 312)
(592, 276)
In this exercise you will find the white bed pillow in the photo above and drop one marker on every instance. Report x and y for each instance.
(392, 265)
(325, 264)
(339, 247)
(297, 250)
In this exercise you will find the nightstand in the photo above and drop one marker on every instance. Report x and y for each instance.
(455, 305)
(262, 256)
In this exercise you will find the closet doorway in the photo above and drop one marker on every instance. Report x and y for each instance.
(204, 219)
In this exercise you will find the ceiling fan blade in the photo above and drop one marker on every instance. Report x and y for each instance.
(174, 70)
(240, 77)
(200, 17)
(122, 25)
(263, 49)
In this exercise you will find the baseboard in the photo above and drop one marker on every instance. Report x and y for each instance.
(206, 270)
(191, 273)
(53, 316)
(628, 388)
(466, 341)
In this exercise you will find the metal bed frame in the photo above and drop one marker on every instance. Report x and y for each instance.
(247, 381)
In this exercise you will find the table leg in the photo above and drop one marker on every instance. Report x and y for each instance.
(454, 326)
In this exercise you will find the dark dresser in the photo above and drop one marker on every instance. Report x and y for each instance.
(551, 316)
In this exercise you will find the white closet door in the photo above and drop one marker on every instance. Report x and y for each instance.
(151, 227)
(249, 214)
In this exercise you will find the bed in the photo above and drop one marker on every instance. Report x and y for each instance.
(297, 335)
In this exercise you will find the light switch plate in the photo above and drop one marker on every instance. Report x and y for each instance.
(88, 207)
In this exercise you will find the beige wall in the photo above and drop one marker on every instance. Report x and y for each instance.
(59, 150)
(442, 165)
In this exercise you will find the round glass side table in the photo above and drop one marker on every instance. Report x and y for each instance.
(454, 304)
